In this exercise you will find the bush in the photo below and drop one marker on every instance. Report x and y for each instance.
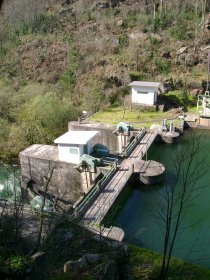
(12, 265)
(44, 24)
(161, 21)
(162, 65)
(179, 32)
(135, 76)
(123, 40)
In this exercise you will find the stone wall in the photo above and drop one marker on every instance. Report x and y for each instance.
(67, 182)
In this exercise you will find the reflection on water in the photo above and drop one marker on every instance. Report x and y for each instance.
(138, 206)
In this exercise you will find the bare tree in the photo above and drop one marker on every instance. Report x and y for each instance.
(41, 214)
(11, 208)
(178, 194)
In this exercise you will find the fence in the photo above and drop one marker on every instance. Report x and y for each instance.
(126, 152)
(109, 202)
(84, 118)
(79, 209)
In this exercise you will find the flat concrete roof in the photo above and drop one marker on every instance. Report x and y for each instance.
(144, 84)
(76, 137)
(41, 151)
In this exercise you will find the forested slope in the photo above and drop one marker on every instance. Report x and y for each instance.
(61, 57)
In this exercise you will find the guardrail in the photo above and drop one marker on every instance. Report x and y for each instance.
(84, 118)
(126, 152)
(79, 209)
(103, 209)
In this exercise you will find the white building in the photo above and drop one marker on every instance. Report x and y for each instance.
(144, 93)
(73, 144)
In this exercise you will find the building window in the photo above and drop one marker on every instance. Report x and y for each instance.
(74, 151)
(142, 92)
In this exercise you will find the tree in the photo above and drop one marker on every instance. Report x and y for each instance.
(11, 208)
(178, 193)
(41, 213)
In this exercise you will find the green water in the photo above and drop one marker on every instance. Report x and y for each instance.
(137, 206)
(9, 181)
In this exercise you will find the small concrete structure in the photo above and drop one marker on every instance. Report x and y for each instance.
(149, 172)
(73, 144)
(144, 93)
(105, 136)
(37, 161)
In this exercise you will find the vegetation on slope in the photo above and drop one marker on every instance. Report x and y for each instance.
(62, 57)
(146, 264)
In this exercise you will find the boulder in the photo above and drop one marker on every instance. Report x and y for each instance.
(136, 35)
(75, 267)
(156, 36)
(120, 23)
(182, 50)
(191, 59)
(39, 255)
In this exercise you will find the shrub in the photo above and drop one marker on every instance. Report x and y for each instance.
(162, 65)
(161, 21)
(123, 40)
(179, 32)
(13, 266)
(42, 25)
(135, 76)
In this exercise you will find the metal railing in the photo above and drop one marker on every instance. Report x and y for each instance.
(82, 206)
(131, 146)
(103, 209)
(84, 118)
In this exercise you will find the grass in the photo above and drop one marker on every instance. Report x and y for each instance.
(146, 264)
(134, 117)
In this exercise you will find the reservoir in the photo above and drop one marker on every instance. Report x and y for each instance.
(140, 210)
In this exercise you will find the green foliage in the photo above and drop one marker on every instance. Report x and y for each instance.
(161, 21)
(43, 24)
(146, 264)
(179, 32)
(130, 21)
(123, 40)
(135, 76)
(115, 98)
(30, 116)
(6, 193)
(162, 65)
(68, 79)
(45, 117)
(13, 265)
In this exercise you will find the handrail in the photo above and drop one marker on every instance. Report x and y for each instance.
(99, 216)
(85, 116)
(126, 152)
(79, 209)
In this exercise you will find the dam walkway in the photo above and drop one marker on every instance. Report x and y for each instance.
(93, 210)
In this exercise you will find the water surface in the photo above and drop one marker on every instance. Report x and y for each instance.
(137, 206)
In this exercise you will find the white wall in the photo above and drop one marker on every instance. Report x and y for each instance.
(67, 156)
(148, 99)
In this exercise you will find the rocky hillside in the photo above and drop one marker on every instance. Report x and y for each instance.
(85, 53)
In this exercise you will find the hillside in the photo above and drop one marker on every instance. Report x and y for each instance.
(61, 57)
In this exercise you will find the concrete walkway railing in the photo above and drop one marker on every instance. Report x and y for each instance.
(95, 191)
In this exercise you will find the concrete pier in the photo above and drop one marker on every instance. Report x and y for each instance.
(149, 172)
